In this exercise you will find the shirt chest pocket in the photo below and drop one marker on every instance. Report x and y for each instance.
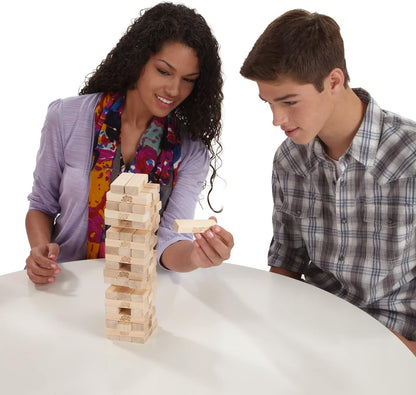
(303, 206)
(392, 228)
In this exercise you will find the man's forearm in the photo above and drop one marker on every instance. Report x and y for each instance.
(285, 272)
(411, 344)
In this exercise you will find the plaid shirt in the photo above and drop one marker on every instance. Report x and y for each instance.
(349, 225)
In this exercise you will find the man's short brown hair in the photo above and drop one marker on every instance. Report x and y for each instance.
(302, 45)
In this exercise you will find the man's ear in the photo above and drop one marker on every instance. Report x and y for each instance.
(335, 80)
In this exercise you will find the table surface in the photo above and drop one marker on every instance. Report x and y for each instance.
(224, 330)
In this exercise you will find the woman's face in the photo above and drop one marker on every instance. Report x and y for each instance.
(167, 79)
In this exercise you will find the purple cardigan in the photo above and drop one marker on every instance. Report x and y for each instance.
(62, 177)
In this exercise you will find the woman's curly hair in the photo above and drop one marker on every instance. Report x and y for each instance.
(167, 22)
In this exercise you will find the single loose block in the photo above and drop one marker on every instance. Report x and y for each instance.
(193, 225)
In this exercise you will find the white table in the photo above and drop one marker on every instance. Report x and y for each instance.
(226, 330)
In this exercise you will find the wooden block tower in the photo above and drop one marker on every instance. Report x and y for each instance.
(132, 211)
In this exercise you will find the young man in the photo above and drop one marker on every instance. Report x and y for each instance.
(344, 181)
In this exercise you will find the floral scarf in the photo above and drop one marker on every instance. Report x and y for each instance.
(158, 155)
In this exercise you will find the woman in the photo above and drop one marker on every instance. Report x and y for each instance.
(152, 106)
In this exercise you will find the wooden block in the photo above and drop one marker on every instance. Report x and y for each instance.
(129, 307)
(118, 185)
(110, 250)
(128, 326)
(129, 267)
(125, 313)
(144, 198)
(130, 207)
(135, 184)
(123, 206)
(120, 276)
(156, 222)
(125, 223)
(141, 236)
(126, 216)
(126, 234)
(123, 293)
(133, 336)
(154, 189)
(123, 279)
(126, 248)
(192, 225)
(147, 245)
(113, 233)
(117, 265)
(138, 316)
(112, 205)
(116, 305)
(129, 335)
(152, 256)
(122, 273)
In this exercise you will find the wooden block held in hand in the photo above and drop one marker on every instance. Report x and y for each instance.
(192, 225)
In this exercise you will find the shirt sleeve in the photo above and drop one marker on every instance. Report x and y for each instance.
(287, 248)
(49, 164)
(192, 173)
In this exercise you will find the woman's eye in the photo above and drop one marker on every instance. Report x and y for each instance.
(190, 80)
(163, 72)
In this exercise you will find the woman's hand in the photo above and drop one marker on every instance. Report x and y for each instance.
(212, 247)
(40, 265)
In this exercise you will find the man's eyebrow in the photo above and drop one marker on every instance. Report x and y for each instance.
(172, 68)
(285, 97)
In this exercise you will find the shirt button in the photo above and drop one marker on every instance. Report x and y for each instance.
(344, 220)
(341, 258)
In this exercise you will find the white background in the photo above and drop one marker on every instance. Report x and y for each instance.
(48, 47)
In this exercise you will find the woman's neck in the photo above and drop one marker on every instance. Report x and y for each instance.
(133, 114)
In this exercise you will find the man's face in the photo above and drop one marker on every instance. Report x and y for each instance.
(298, 108)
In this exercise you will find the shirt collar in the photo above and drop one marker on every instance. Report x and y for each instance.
(364, 146)
(365, 143)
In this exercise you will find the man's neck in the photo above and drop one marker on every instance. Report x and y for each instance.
(343, 125)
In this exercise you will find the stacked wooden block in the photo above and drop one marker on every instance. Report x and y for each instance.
(132, 211)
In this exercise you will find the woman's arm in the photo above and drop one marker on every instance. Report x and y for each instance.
(44, 204)
(181, 252)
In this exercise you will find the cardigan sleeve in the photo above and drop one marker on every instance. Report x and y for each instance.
(49, 164)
